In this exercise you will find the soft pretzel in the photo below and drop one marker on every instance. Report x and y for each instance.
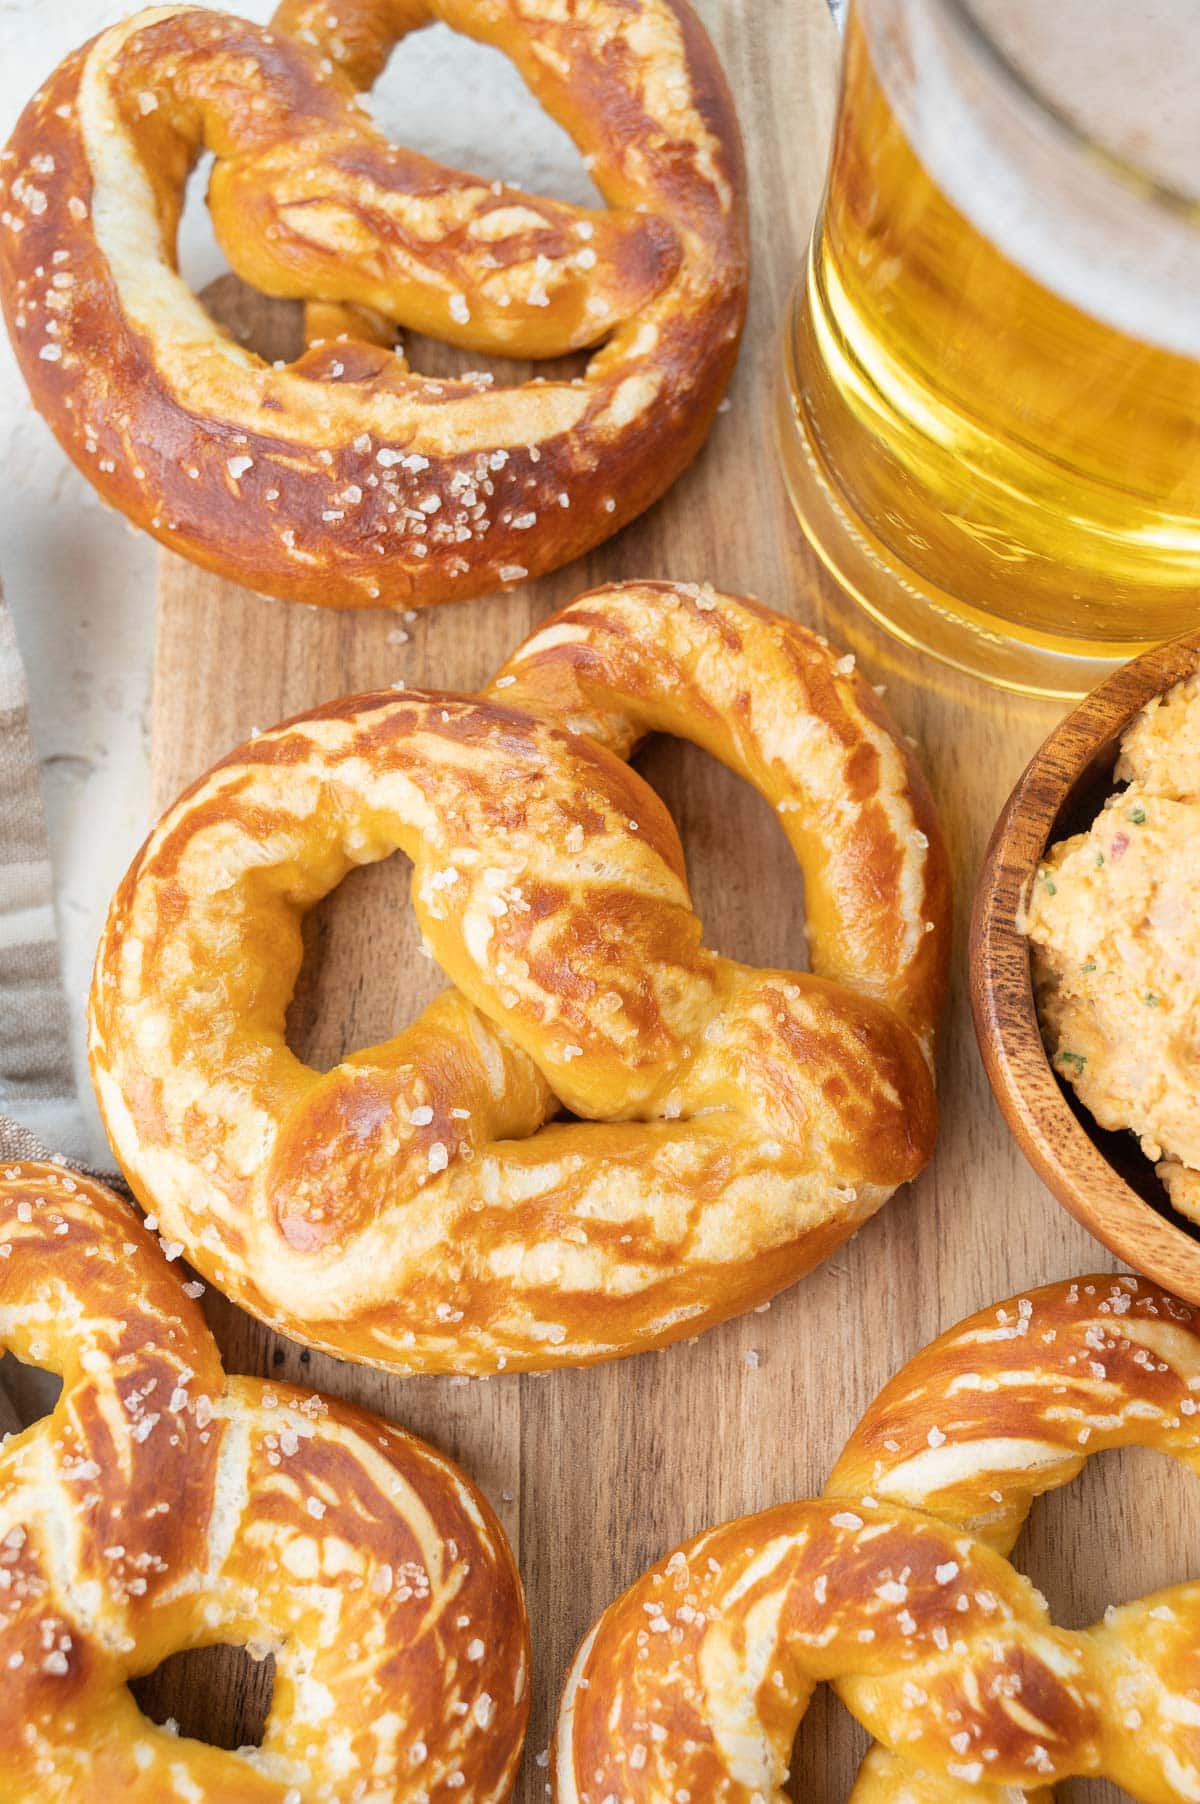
(345, 478)
(896, 1586)
(163, 1506)
(410, 1208)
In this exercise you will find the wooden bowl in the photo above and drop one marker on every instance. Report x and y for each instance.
(1103, 1178)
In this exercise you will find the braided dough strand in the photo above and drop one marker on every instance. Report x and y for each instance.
(695, 1680)
(416, 1207)
(162, 1506)
(344, 478)
(895, 1587)
(1009, 1405)
(768, 698)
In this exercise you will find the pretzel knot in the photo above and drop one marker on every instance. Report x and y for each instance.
(345, 478)
(163, 1506)
(415, 1207)
(896, 1587)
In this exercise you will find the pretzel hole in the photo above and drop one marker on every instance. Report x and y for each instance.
(1091, 1791)
(1133, 1517)
(494, 128)
(27, 1393)
(752, 908)
(829, 1748)
(219, 1694)
(363, 977)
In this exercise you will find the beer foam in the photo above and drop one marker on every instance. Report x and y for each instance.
(1123, 73)
(1124, 77)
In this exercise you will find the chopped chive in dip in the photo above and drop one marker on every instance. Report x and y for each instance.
(1047, 879)
(1071, 1058)
(1137, 816)
(1090, 966)
(1150, 1000)
(1099, 859)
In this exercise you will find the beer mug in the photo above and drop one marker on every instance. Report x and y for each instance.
(991, 415)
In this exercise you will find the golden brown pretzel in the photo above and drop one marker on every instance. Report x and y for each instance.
(162, 1506)
(409, 1208)
(895, 1585)
(346, 479)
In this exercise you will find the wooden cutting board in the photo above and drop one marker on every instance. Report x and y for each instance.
(596, 1473)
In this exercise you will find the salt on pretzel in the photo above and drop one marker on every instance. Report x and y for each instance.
(896, 1586)
(163, 1506)
(346, 479)
(411, 1208)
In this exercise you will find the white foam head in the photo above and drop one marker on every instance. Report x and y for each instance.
(1037, 177)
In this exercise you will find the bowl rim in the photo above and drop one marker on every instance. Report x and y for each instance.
(1001, 987)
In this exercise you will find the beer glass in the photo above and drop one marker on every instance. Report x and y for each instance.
(990, 420)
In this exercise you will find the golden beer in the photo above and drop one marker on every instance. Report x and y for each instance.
(992, 423)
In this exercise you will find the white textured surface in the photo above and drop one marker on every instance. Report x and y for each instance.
(79, 580)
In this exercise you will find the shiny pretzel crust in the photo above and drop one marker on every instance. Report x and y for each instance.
(345, 479)
(410, 1208)
(896, 1587)
(162, 1506)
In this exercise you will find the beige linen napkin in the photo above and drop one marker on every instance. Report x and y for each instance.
(39, 1108)
(37, 1086)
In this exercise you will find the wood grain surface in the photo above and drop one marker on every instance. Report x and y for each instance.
(598, 1472)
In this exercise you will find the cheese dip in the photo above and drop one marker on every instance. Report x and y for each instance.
(1114, 923)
